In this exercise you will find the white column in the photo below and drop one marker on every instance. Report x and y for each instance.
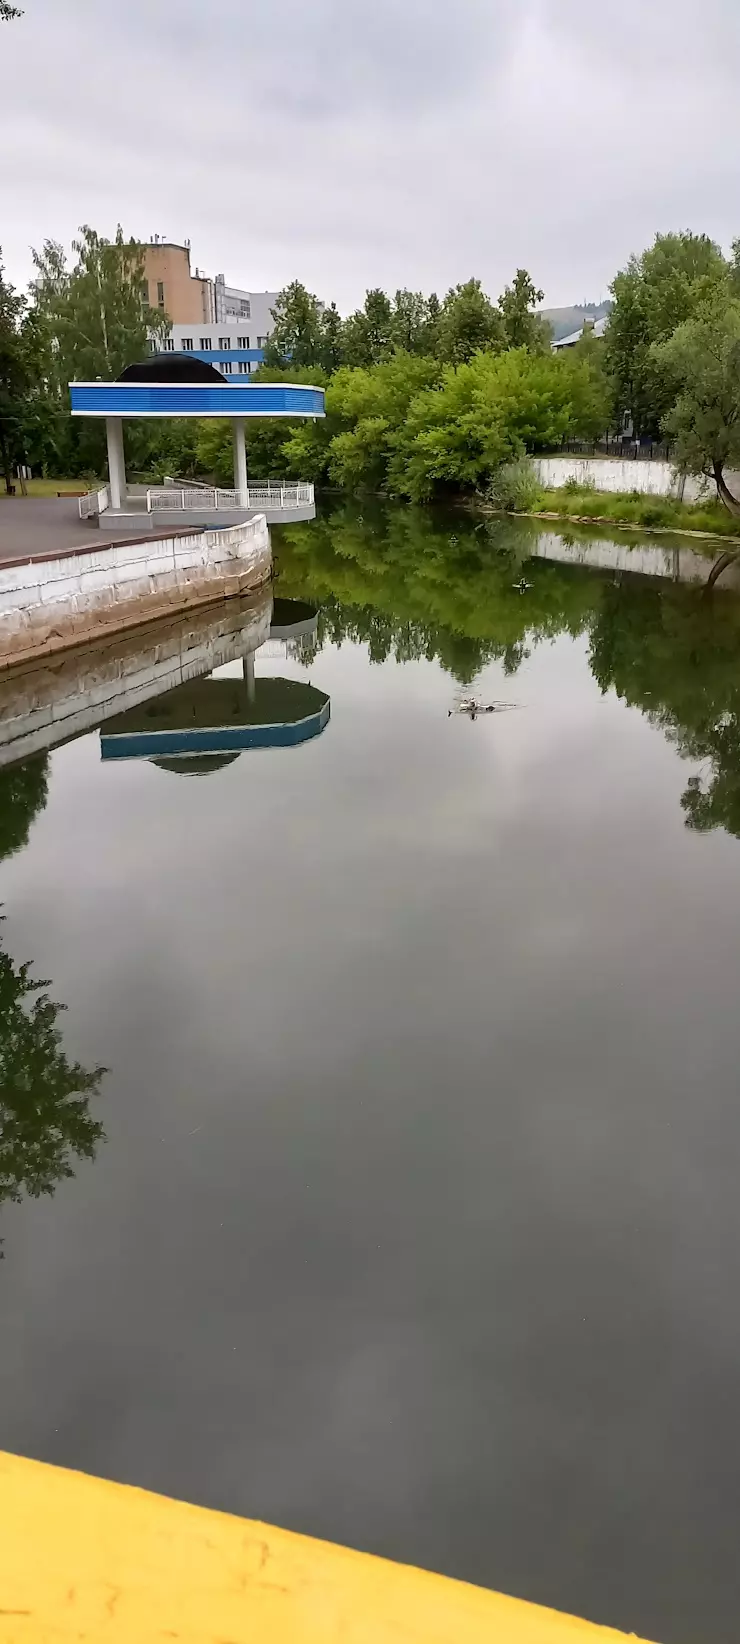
(248, 670)
(116, 462)
(241, 481)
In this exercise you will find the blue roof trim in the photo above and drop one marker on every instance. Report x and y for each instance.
(229, 739)
(134, 399)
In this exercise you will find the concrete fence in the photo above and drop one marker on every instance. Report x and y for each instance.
(56, 600)
(652, 479)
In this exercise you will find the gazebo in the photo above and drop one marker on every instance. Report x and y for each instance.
(179, 385)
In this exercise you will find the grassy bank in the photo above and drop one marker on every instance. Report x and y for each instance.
(48, 487)
(626, 508)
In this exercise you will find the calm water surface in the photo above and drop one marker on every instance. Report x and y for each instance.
(414, 1220)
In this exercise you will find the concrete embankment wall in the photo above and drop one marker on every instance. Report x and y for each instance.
(47, 702)
(52, 601)
(675, 563)
(651, 479)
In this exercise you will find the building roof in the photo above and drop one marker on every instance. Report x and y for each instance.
(172, 367)
(598, 329)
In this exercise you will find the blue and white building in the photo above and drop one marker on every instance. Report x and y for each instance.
(235, 341)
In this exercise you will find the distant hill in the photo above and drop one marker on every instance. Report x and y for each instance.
(565, 320)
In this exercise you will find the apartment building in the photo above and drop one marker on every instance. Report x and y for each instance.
(186, 297)
(235, 347)
(218, 322)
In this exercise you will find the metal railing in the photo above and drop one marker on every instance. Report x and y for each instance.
(290, 494)
(632, 450)
(94, 502)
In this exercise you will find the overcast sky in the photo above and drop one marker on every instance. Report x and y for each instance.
(351, 143)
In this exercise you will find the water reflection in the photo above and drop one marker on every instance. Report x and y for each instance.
(45, 1117)
(420, 1184)
(410, 584)
(23, 793)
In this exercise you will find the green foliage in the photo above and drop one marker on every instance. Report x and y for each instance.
(23, 790)
(515, 487)
(468, 322)
(485, 413)
(414, 585)
(369, 408)
(410, 584)
(45, 1119)
(95, 316)
(673, 654)
(15, 374)
(298, 333)
(702, 358)
(523, 328)
(368, 334)
(8, 12)
(578, 501)
(656, 292)
(331, 334)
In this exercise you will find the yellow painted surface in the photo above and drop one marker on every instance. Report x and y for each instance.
(84, 1559)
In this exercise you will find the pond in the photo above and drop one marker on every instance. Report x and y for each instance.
(380, 1178)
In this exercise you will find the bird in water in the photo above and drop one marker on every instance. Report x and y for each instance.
(472, 707)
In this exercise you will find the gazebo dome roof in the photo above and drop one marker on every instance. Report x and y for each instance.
(180, 368)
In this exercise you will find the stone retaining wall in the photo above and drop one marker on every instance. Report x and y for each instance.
(46, 702)
(52, 601)
(625, 474)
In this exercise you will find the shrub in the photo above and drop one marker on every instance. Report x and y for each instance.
(514, 486)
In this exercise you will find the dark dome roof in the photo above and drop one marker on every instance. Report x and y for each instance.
(171, 368)
(197, 765)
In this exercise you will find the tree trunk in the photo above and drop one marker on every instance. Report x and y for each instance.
(732, 504)
(720, 565)
(5, 458)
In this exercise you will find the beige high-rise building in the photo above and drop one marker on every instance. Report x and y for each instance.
(186, 298)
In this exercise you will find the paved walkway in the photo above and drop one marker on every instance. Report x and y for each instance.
(39, 525)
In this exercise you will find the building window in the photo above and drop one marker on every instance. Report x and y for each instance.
(187, 343)
(205, 345)
(242, 342)
(227, 366)
(244, 368)
(245, 311)
(224, 342)
(160, 293)
(168, 345)
(261, 342)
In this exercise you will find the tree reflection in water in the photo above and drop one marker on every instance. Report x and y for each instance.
(45, 1118)
(412, 583)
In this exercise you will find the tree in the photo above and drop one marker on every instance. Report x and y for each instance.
(14, 373)
(297, 329)
(45, 1119)
(702, 361)
(89, 321)
(414, 322)
(492, 410)
(23, 790)
(469, 322)
(368, 407)
(523, 328)
(656, 292)
(368, 334)
(7, 12)
(96, 317)
(331, 339)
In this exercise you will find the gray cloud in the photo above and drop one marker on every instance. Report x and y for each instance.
(351, 143)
